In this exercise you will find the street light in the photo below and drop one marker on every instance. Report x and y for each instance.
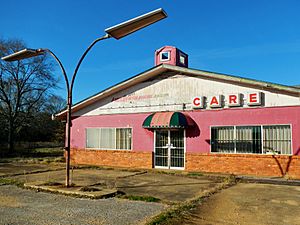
(117, 32)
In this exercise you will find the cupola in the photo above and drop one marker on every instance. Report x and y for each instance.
(172, 56)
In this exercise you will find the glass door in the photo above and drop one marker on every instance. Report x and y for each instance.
(177, 149)
(161, 149)
(169, 149)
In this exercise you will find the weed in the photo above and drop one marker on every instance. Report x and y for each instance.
(195, 174)
(59, 159)
(173, 213)
(9, 181)
(165, 172)
(231, 179)
(141, 198)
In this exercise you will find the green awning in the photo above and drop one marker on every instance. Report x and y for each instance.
(168, 120)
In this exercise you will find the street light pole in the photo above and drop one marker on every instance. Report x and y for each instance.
(119, 31)
(69, 108)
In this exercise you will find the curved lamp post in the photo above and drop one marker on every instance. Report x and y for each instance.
(117, 32)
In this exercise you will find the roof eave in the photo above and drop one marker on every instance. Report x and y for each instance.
(199, 73)
(238, 80)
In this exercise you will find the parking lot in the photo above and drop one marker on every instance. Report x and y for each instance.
(243, 203)
(19, 206)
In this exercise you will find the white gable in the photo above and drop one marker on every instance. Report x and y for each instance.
(174, 93)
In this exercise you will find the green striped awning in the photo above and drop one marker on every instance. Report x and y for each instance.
(168, 120)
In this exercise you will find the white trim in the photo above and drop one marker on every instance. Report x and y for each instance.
(176, 168)
(164, 60)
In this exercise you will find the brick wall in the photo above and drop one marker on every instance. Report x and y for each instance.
(245, 164)
(112, 158)
(238, 164)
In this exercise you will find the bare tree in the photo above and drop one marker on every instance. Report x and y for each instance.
(54, 104)
(23, 86)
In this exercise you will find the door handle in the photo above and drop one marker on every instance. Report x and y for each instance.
(169, 146)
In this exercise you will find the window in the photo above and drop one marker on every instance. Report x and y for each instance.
(270, 139)
(222, 139)
(248, 139)
(165, 56)
(109, 138)
(182, 59)
(277, 139)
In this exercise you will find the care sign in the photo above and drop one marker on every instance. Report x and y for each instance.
(231, 100)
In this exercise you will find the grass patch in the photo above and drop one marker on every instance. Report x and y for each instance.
(89, 189)
(166, 172)
(94, 167)
(140, 198)
(231, 179)
(9, 181)
(35, 153)
(194, 174)
(172, 214)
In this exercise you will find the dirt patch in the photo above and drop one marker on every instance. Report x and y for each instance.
(248, 204)
(9, 201)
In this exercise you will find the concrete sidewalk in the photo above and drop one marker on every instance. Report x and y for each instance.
(96, 182)
(103, 183)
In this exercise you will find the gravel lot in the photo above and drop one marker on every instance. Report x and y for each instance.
(19, 206)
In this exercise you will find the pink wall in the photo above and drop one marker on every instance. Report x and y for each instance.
(198, 138)
(142, 139)
(241, 116)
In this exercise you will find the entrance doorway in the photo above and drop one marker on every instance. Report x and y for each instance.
(169, 150)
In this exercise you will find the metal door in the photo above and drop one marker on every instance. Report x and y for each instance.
(169, 152)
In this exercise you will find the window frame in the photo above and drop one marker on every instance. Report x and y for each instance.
(262, 138)
(184, 56)
(110, 149)
(164, 60)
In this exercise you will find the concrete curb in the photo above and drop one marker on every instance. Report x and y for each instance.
(275, 180)
(73, 191)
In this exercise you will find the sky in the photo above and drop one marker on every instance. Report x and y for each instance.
(257, 39)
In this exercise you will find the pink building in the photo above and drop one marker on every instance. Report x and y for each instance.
(174, 117)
